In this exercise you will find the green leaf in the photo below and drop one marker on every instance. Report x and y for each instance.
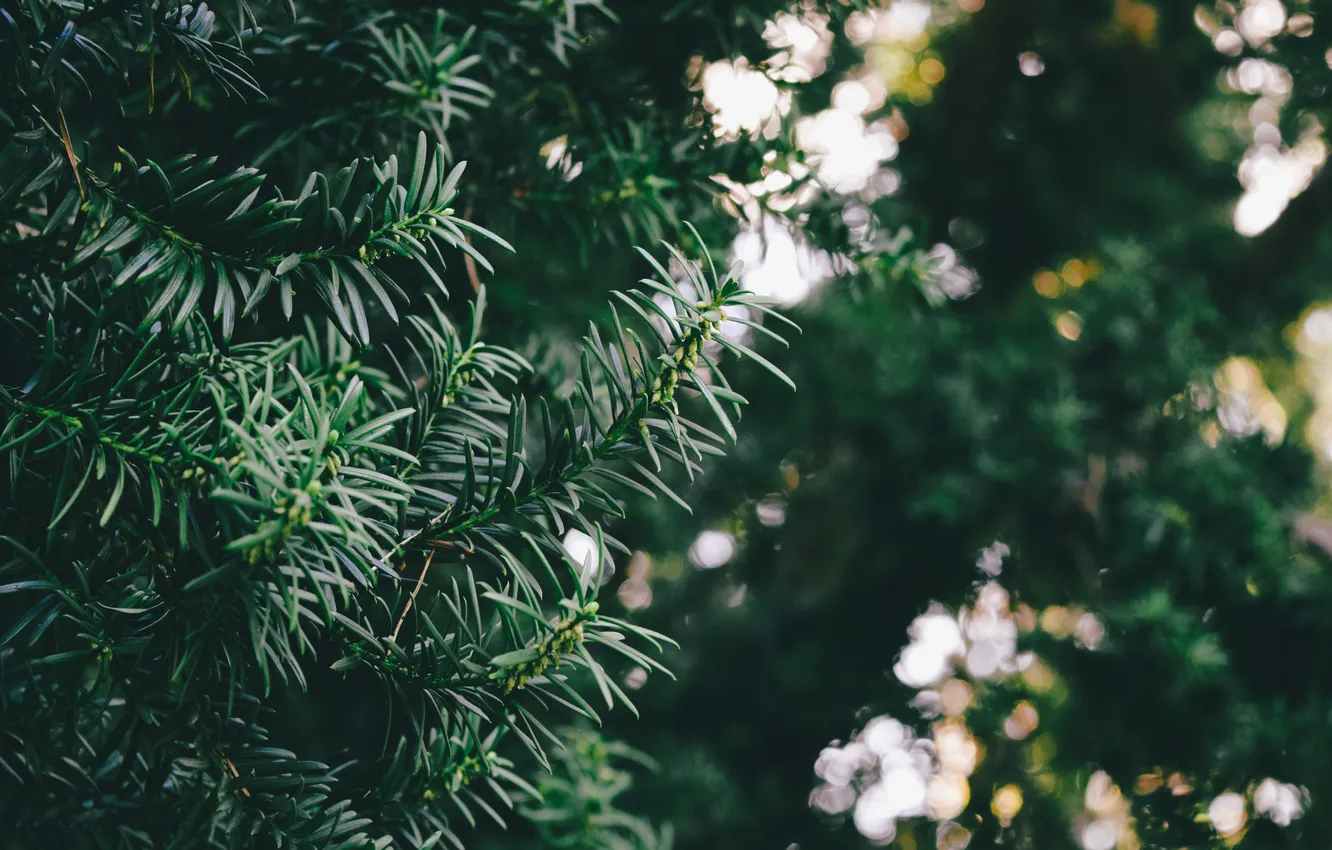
(32, 584)
(69, 503)
(516, 657)
(116, 493)
(521, 607)
(418, 172)
(168, 294)
(288, 263)
(711, 400)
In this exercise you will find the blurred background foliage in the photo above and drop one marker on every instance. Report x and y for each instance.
(1038, 553)
(1108, 358)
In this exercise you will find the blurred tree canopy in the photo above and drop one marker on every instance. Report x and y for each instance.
(1038, 552)
(1129, 404)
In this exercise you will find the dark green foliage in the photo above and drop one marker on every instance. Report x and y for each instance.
(208, 523)
(251, 451)
(923, 435)
(282, 531)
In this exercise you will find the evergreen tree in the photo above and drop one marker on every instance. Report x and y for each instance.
(295, 552)
(252, 452)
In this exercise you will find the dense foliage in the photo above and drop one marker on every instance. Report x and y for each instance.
(294, 551)
(244, 440)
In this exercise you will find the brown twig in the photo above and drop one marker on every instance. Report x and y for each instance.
(471, 272)
(393, 553)
(449, 544)
(419, 581)
(236, 773)
(467, 258)
(69, 151)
